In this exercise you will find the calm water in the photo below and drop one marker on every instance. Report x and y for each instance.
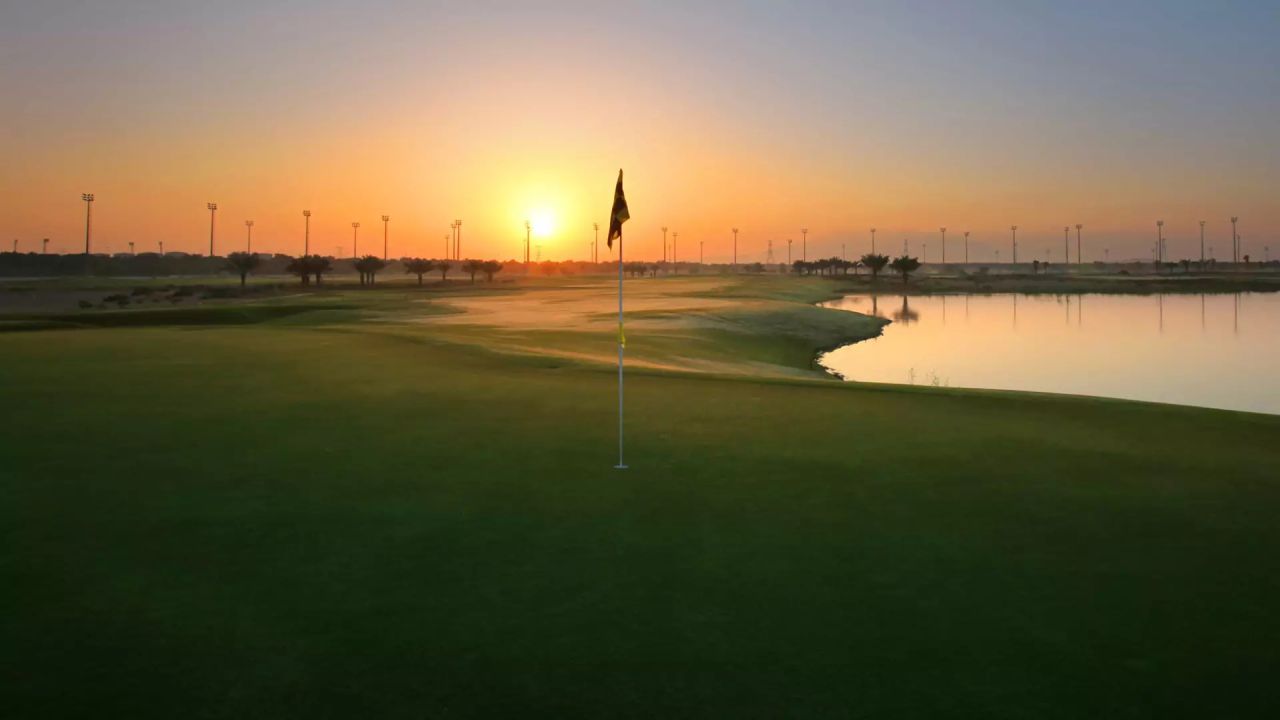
(1218, 351)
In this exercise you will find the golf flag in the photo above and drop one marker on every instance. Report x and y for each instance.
(619, 214)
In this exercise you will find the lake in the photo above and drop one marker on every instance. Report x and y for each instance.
(1220, 351)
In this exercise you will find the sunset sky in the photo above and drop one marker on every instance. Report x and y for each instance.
(767, 116)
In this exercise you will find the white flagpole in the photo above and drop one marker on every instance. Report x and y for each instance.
(621, 465)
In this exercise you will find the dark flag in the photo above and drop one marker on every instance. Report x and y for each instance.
(619, 214)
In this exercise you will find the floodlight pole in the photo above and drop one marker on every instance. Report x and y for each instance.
(873, 241)
(1079, 255)
(355, 240)
(804, 244)
(664, 243)
(966, 247)
(248, 246)
(385, 219)
(306, 236)
(528, 228)
(944, 245)
(213, 212)
(1014, 230)
(88, 218)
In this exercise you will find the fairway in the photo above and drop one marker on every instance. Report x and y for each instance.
(401, 503)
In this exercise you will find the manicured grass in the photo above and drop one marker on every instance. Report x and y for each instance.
(316, 517)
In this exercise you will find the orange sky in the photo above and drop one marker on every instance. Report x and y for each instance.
(766, 123)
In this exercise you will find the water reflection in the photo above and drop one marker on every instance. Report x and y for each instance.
(1187, 349)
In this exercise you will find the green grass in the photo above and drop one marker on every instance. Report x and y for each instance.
(308, 516)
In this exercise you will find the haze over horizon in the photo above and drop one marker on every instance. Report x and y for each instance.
(902, 116)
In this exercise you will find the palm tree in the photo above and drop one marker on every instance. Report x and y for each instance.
(319, 266)
(243, 263)
(905, 265)
(473, 267)
(444, 266)
(490, 268)
(301, 267)
(875, 263)
(419, 267)
(369, 265)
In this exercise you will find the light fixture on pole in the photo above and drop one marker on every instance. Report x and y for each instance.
(1159, 241)
(873, 241)
(44, 246)
(804, 244)
(385, 219)
(944, 244)
(595, 243)
(1014, 230)
(1235, 239)
(1079, 255)
(306, 236)
(248, 245)
(457, 242)
(213, 213)
(528, 229)
(88, 218)
(355, 240)
(966, 247)
(735, 249)
(664, 243)
(1202, 243)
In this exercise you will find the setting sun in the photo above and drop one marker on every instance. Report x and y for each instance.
(542, 222)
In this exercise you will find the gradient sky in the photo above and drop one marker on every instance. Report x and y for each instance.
(768, 116)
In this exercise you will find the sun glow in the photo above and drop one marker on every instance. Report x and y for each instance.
(542, 222)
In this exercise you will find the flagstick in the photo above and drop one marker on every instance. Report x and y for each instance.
(621, 465)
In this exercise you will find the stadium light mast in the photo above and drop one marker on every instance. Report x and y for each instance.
(306, 235)
(804, 244)
(248, 244)
(674, 237)
(664, 243)
(355, 240)
(944, 244)
(1235, 251)
(700, 244)
(528, 229)
(213, 213)
(457, 240)
(44, 246)
(1159, 241)
(161, 248)
(873, 241)
(966, 247)
(88, 219)
(735, 249)
(595, 243)
(1014, 229)
(385, 219)
(131, 252)
(1066, 244)
(789, 241)
(1079, 256)
(1202, 244)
